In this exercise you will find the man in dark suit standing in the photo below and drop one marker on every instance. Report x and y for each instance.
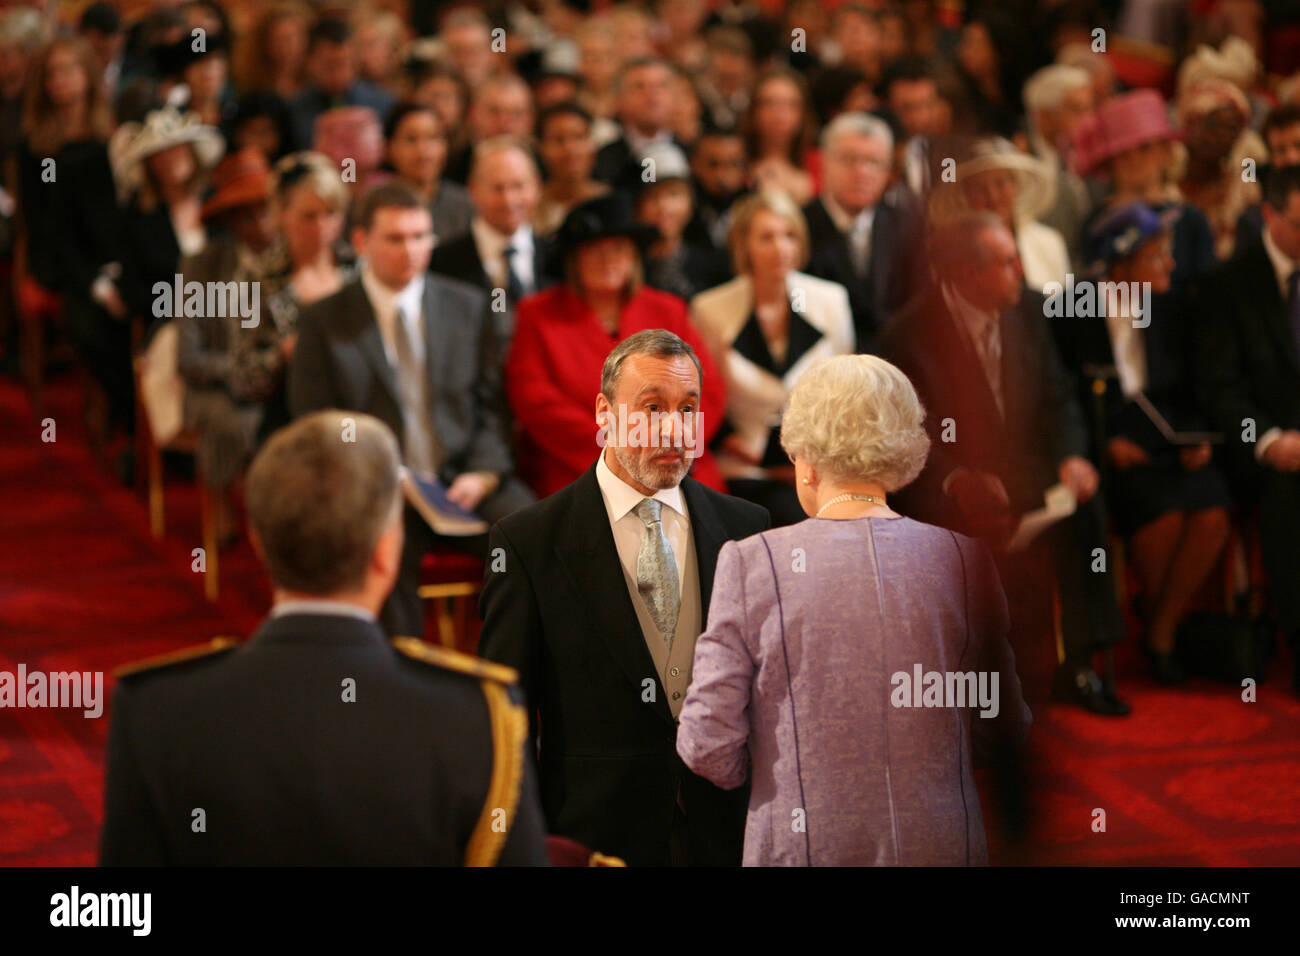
(1005, 427)
(864, 234)
(318, 742)
(597, 594)
(418, 352)
(500, 251)
(1248, 361)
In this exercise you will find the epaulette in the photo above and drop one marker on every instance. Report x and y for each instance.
(456, 661)
(218, 645)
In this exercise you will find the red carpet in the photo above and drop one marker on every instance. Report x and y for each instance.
(1195, 776)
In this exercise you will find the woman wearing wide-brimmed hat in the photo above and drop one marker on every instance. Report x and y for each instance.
(160, 166)
(993, 175)
(563, 334)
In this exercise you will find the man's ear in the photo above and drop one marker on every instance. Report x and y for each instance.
(359, 234)
(386, 560)
(604, 420)
(257, 544)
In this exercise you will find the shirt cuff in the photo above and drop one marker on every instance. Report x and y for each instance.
(1266, 439)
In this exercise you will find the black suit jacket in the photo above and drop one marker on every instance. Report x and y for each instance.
(459, 259)
(288, 772)
(1043, 422)
(897, 271)
(340, 362)
(558, 610)
(1247, 363)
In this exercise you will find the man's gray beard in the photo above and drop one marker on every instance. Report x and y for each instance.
(653, 477)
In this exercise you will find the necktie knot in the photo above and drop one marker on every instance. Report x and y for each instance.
(649, 510)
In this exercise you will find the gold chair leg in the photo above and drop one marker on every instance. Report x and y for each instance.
(209, 504)
(157, 518)
(446, 624)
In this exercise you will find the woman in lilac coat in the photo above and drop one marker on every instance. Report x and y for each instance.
(855, 662)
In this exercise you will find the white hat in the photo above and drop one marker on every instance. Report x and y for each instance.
(132, 143)
(1037, 185)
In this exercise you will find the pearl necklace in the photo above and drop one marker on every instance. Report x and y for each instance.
(847, 497)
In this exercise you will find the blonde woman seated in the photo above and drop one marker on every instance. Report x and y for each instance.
(808, 680)
(765, 328)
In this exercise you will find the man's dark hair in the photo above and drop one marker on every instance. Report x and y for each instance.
(657, 342)
(711, 130)
(404, 109)
(328, 30)
(637, 63)
(1277, 183)
(567, 108)
(1280, 117)
(100, 18)
(908, 69)
(390, 195)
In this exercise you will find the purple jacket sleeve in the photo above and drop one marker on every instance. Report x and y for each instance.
(714, 729)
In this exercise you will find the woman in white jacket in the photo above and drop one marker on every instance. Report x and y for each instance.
(765, 328)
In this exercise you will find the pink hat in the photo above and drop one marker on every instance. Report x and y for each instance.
(1121, 123)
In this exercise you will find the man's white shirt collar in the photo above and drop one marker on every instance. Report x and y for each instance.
(620, 497)
(322, 606)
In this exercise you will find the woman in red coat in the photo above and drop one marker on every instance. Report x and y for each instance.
(563, 334)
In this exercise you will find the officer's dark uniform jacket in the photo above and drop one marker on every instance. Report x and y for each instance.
(318, 742)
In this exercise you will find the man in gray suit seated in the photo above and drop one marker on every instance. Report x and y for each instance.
(418, 352)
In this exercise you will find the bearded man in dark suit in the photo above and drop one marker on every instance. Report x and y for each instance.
(597, 594)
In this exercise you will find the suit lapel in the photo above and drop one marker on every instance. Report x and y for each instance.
(1272, 304)
(435, 337)
(709, 536)
(590, 559)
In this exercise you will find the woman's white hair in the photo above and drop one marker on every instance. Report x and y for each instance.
(857, 418)
(1047, 89)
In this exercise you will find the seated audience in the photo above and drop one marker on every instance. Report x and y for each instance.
(778, 129)
(308, 201)
(332, 81)
(568, 154)
(863, 234)
(419, 352)
(1248, 349)
(991, 174)
(500, 254)
(645, 107)
(721, 175)
(1170, 501)
(675, 263)
(766, 328)
(237, 253)
(417, 152)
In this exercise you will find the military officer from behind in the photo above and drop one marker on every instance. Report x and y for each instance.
(318, 742)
